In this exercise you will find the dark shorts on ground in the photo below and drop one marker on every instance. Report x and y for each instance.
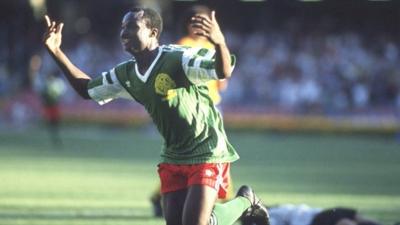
(332, 216)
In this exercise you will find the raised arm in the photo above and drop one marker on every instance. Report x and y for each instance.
(209, 27)
(52, 40)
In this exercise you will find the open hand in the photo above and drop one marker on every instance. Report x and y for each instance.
(208, 27)
(52, 37)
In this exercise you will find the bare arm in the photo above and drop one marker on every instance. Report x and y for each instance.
(52, 40)
(209, 28)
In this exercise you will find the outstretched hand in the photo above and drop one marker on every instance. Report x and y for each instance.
(208, 27)
(52, 37)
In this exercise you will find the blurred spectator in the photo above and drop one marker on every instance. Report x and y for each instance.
(50, 88)
(302, 67)
(312, 73)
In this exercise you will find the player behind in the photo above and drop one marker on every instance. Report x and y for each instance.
(191, 39)
(167, 81)
(50, 89)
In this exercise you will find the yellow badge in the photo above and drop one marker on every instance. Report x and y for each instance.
(165, 86)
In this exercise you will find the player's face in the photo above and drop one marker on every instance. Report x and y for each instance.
(192, 30)
(135, 35)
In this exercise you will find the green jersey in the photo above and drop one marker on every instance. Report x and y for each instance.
(174, 93)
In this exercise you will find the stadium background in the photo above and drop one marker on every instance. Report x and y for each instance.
(313, 108)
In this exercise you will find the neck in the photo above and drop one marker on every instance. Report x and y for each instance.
(146, 57)
(197, 37)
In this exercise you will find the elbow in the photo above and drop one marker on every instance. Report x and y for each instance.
(82, 88)
(85, 95)
(228, 74)
(225, 74)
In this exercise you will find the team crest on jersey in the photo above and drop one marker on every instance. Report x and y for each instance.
(165, 86)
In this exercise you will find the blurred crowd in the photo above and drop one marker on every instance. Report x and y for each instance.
(316, 72)
(300, 68)
(300, 73)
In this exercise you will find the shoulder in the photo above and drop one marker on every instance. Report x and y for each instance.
(123, 67)
(174, 53)
(126, 63)
(185, 49)
(173, 48)
(187, 41)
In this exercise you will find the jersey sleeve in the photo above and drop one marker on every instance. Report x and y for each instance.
(106, 88)
(199, 64)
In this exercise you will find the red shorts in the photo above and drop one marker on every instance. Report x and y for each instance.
(176, 177)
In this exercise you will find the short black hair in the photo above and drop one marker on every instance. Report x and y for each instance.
(194, 10)
(151, 17)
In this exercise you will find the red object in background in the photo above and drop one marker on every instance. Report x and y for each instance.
(52, 113)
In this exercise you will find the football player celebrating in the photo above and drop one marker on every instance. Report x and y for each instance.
(169, 82)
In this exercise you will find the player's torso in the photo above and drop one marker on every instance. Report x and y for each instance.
(168, 96)
(159, 83)
(183, 112)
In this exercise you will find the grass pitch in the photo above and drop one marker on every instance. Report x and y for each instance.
(105, 175)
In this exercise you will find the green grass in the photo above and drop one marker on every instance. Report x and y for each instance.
(105, 175)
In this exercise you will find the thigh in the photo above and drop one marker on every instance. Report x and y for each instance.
(214, 175)
(173, 203)
(199, 204)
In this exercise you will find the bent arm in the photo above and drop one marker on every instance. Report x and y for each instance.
(223, 65)
(52, 40)
(209, 27)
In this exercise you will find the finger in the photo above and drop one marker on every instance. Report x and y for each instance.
(201, 21)
(52, 26)
(201, 27)
(47, 18)
(204, 34)
(202, 17)
(213, 15)
(46, 37)
(59, 27)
